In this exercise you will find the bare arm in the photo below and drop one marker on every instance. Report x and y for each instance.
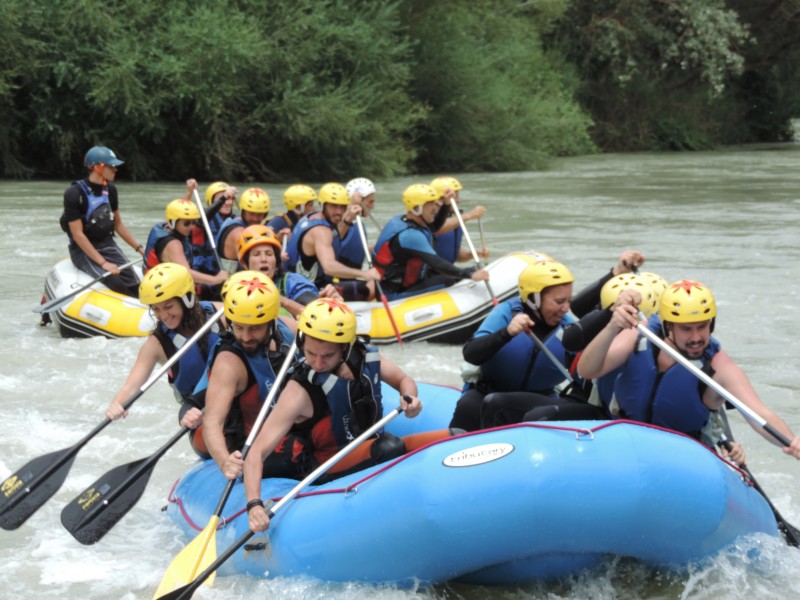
(733, 378)
(173, 252)
(293, 406)
(150, 354)
(228, 378)
(611, 347)
(319, 242)
(399, 380)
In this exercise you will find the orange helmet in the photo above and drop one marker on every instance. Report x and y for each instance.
(256, 235)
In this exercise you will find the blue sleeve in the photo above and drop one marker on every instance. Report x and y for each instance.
(411, 239)
(298, 286)
(496, 320)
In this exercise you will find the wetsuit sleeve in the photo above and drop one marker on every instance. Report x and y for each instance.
(578, 335)
(413, 244)
(212, 210)
(438, 221)
(113, 197)
(481, 348)
(588, 298)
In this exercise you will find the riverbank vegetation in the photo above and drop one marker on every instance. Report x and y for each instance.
(328, 89)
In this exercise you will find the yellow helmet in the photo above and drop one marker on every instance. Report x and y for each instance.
(534, 256)
(687, 301)
(328, 319)
(250, 298)
(298, 195)
(254, 200)
(257, 235)
(440, 184)
(333, 193)
(629, 281)
(214, 189)
(544, 274)
(418, 194)
(182, 209)
(165, 281)
(658, 283)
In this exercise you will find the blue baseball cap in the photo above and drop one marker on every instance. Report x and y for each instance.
(101, 155)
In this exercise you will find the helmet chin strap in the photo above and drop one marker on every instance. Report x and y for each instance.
(189, 300)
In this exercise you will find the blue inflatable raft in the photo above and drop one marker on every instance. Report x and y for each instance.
(509, 505)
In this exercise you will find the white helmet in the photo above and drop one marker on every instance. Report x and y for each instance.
(362, 185)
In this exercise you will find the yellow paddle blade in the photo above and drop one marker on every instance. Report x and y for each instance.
(191, 561)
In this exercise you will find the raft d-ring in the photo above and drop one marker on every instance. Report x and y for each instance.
(584, 433)
(350, 491)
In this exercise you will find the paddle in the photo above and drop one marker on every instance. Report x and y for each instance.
(202, 550)
(480, 231)
(571, 388)
(100, 506)
(475, 257)
(790, 533)
(207, 227)
(57, 303)
(32, 485)
(363, 236)
(186, 591)
(743, 408)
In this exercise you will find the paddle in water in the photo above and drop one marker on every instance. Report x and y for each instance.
(186, 591)
(202, 550)
(100, 506)
(27, 489)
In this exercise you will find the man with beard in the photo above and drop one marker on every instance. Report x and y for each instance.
(653, 388)
(242, 367)
(315, 246)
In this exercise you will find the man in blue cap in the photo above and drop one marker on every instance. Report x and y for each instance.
(91, 218)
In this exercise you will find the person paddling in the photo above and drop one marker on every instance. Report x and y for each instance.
(91, 218)
(169, 291)
(332, 395)
(254, 207)
(299, 201)
(447, 232)
(653, 388)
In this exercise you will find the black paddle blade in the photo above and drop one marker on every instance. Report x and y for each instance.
(30, 487)
(100, 506)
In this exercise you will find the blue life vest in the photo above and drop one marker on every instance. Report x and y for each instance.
(294, 285)
(351, 252)
(672, 399)
(308, 265)
(215, 223)
(185, 374)
(352, 406)
(98, 221)
(157, 233)
(448, 244)
(401, 275)
(519, 365)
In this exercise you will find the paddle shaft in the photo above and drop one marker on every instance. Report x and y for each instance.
(71, 452)
(790, 533)
(186, 592)
(540, 345)
(59, 302)
(743, 408)
(362, 234)
(476, 258)
(207, 227)
(480, 231)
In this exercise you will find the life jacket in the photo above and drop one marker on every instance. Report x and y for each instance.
(672, 399)
(283, 221)
(158, 233)
(184, 374)
(294, 285)
(351, 252)
(519, 365)
(203, 259)
(448, 244)
(308, 265)
(98, 220)
(214, 224)
(342, 408)
(231, 265)
(260, 377)
(399, 275)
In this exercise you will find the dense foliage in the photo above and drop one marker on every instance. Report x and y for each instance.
(328, 89)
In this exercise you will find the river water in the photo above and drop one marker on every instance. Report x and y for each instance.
(727, 218)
